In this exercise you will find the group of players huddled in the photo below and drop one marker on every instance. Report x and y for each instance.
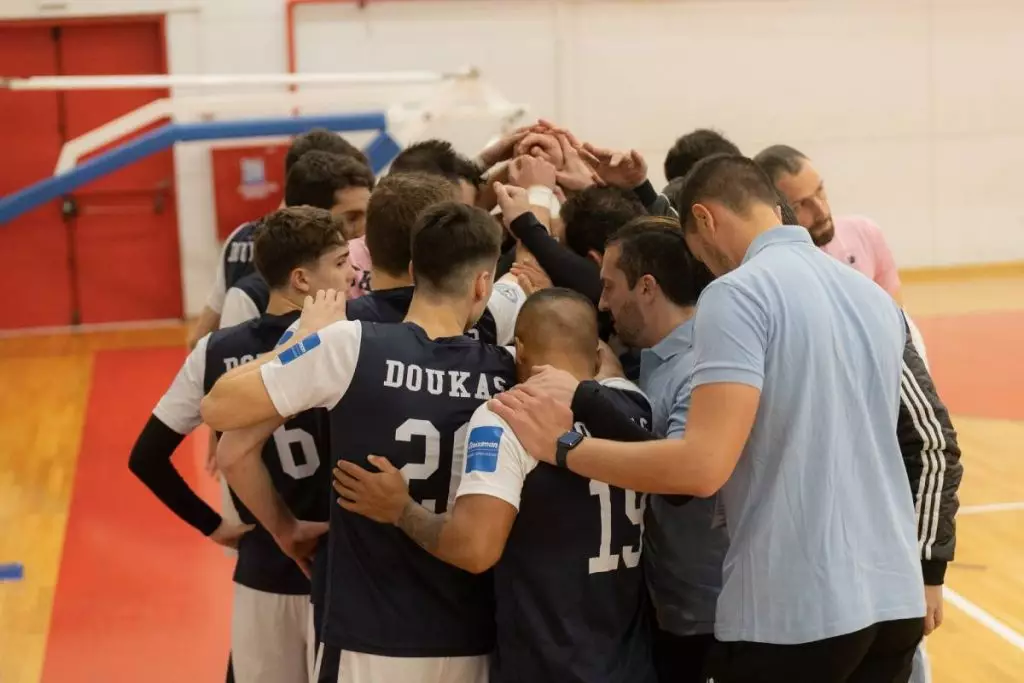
(389, 525)
(364, 327)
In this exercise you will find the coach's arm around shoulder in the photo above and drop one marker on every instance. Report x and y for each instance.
(730, 337)
(274, 385)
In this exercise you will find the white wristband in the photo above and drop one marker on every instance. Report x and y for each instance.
(540, 195)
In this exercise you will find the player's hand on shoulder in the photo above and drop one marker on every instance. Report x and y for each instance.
(537, 419)
(229, 533)
(327, 307)
(380, 496)
(554, 383)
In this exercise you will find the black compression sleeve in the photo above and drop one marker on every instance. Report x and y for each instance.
(564, 267)
(150, 461)
(646, 193)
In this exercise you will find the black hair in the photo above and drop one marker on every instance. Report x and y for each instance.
(325, 141)
(655, 246)
(317, 176)
(734, 180)
(391, 215)
(692, 147)
(436, 157)
(293, 237)
(593, 215)
(448, 240)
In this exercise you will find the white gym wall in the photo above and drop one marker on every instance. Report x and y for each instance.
(912, 109)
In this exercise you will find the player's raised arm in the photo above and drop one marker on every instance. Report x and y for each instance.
(312, 371)
(472, 535)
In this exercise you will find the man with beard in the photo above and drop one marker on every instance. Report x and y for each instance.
(855, 240)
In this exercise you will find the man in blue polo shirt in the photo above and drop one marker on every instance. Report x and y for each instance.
(796, 380)
(650, 285)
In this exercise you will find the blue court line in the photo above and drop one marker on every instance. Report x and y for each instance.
(12, 572)
(33, 196)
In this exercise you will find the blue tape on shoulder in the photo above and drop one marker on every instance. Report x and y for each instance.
(303, 347)
(12, 572)
(482, 452)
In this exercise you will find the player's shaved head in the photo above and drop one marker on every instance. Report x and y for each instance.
(557, 323)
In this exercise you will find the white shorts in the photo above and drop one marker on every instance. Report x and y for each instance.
(922, 668)
(344, 666)
(270, 637)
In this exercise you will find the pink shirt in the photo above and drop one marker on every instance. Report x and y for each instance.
(859, 242)
(359, 257)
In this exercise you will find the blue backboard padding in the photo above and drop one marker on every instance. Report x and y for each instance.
(22, 201)
(381, 151)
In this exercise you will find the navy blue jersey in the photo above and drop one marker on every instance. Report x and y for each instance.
(571, 600)
(257, 289)
(394, 392)
(292, 456)
(384, 306)
(238, 253)
(391, 305)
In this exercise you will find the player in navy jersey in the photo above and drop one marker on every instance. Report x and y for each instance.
(391, 217)
(236, 257)
(570, 594)
(298, 250)
(408, 390)
(317, 178)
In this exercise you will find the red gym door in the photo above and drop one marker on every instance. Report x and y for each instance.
(107, 252)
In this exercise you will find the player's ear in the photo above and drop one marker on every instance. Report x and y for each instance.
(595, 256)
(648, 286)
(299, 280)
(482, 285)
(703, 219)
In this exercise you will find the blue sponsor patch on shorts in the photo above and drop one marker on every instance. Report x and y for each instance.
(304, 346)
(482, 452)
(288, 334)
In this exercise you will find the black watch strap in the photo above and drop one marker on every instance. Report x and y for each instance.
(561, 455)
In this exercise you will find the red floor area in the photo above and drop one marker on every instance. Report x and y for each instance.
(141, 596)
(976, 362)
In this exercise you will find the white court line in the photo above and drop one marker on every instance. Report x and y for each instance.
(984, 618)
(991, 507)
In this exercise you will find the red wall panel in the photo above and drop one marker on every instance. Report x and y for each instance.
(33, 248)
(126, 230)
(123, 260)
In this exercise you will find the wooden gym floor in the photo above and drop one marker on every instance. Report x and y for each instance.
(116, 589)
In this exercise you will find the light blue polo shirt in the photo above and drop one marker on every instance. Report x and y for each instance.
(819, 515)
(682, 552)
